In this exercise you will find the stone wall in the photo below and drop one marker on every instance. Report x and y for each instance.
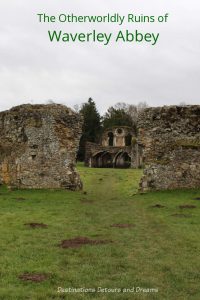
(170, 137)
(38, 146)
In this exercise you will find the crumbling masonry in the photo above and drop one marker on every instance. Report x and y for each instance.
(170, 137)
(38, 146)
(39, 143)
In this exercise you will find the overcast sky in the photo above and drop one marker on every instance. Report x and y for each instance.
(33, 70)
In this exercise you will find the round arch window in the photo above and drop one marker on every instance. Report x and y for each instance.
(119, 131)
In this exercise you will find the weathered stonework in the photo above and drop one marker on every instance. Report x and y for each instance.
(38, 146)
(118, 149)
(170, 137)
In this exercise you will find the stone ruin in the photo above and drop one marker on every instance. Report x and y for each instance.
(39, 143)
(117, 149)
(38, 146)
(170, 137)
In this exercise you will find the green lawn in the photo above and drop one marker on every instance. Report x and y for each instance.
(161, 251)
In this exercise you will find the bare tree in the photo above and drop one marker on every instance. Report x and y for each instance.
(141, 106)
(182, 103)
(77, 108)
(50, 101)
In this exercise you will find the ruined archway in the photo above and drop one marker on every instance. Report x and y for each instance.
(97, 159)
(114, 140)
(107, 160)
(122, 160)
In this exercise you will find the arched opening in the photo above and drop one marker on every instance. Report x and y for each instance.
(127, 160)
(115, 158)
(107, 160)
(96, 161)
(123, 160)
(128, 139)
(119, 131)
(110, 138)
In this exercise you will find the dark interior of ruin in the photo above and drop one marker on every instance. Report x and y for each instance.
(104, 159)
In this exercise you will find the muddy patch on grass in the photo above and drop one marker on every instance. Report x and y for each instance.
(34, 277)
(157, 206)
(181, 216)
(187, 206)
(121, 225)
(81, 241)
(86, 201)
(36, 225)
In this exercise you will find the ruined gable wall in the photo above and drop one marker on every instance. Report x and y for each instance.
(38, 146)
(171, 140)
(119, 135)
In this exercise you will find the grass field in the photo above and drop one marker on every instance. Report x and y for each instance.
(160, 248)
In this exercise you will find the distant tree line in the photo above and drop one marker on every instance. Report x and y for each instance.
(121, 114)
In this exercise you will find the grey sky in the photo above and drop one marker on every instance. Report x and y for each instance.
(32, 70)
